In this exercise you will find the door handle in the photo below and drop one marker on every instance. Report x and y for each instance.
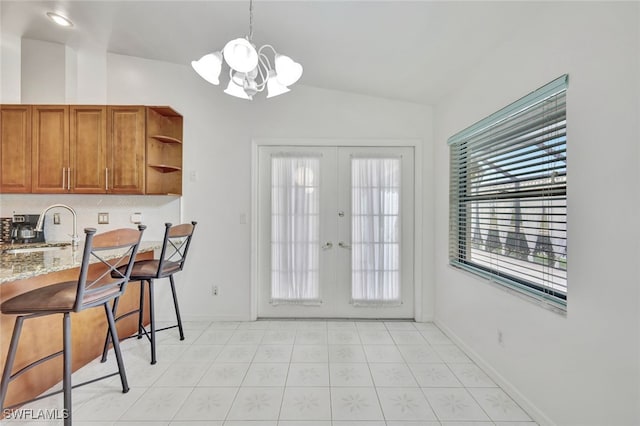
(344, 246)
(327, 245)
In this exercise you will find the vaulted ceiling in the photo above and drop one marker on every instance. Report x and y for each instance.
(410, 51)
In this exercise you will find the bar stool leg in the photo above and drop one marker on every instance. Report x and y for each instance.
(107, 337)
(175, 304)
(116, 348)
(11, 357)
(66, 380)
(141, 312)
(153, 322)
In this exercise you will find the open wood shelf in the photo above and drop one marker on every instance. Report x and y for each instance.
(166, 139)
(164, 168)
(166, 111)
(164, 151)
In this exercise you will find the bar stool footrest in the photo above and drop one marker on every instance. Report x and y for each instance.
(38, 398)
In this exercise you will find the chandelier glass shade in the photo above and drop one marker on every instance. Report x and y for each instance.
(251, 70)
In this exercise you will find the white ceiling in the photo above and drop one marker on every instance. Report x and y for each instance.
(411, 51)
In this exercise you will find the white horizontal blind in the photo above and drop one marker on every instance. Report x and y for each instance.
(375, 231)
(295, 228)
(508, 180)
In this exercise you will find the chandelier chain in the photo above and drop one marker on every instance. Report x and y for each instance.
(250, 20)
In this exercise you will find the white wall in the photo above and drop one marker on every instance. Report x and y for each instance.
(91, 77)
(582, 368)
(44, 67)
(218, 133)
(10, 68)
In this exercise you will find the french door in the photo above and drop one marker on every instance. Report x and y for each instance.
(335, 232)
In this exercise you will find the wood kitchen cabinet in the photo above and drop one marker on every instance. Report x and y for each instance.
(68, 149)
(126, 153)
(90, 149)
(15, 148)
(50, 149)
(102, 153)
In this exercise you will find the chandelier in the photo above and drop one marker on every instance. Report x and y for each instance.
(251, 70)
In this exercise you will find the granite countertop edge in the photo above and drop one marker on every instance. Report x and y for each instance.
(20, 266)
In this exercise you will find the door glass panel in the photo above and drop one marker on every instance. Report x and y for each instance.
(375, 231)
(295, 224)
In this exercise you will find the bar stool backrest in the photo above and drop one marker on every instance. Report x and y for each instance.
(117, 251)
(175, 246)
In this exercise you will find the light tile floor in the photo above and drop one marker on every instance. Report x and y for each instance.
(292, 373)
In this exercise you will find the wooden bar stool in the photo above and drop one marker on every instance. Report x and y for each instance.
(116, 250)
(175, 246)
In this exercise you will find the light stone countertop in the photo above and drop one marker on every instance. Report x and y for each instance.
(19, 266)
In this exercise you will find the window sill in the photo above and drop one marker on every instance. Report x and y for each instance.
(522, 294)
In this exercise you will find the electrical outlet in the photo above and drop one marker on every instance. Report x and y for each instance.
(214, 290)
(103, 218)
(56, 218)
(136, 218)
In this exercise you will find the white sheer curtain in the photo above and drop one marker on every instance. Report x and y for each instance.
(375, 231)
(295, 225)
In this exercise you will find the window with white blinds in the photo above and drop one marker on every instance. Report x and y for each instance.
(508, 199)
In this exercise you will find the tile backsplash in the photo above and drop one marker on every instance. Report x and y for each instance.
(155, 210)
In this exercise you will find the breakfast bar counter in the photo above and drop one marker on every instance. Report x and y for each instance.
(24, 267)
(20, 261)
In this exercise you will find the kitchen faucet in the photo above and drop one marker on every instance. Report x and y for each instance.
(74, 237)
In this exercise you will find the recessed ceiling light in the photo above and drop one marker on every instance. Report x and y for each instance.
(59, 19)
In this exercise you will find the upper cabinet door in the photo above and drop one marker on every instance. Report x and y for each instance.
(88, 149)
(15, 148)
(51, 171)
(126, 149)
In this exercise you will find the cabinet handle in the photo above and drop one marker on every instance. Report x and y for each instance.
(69, 179)
(106, 178)
(63, 177)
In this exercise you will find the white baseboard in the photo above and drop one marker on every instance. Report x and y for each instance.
(199, 318)
(537, 415)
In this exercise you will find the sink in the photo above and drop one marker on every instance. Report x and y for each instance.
(34, 249)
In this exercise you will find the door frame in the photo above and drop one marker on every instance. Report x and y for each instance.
(416, 144)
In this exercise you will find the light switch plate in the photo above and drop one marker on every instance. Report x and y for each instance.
(103, 218)
(56, 218)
